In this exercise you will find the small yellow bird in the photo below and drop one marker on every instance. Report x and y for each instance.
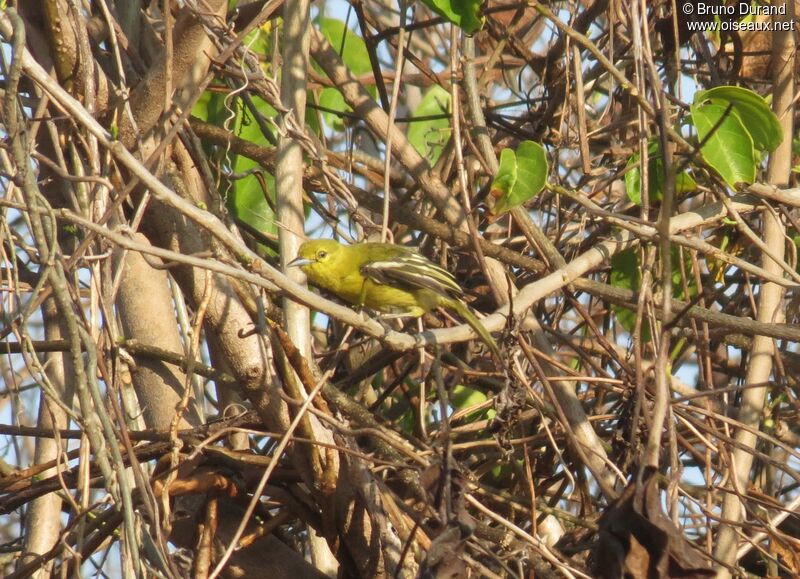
(391, 279)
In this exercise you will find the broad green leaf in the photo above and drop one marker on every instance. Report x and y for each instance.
(209, 107)
(728, 146)
(465, 14)
(260, 41)
(625, 274)
(684, 182)
(353, 50)
(753, 111)
(332, 101)
(430, 135)
(246, 197)
(200, 108)
(520, 177)
(506, 176)
(463, 397)
(348, 44)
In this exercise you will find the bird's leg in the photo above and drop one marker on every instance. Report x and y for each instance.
(361, 299)
(420, 329)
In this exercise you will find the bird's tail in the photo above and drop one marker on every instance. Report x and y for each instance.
(462, 310)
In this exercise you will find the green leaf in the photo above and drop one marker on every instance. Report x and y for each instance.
(465, 14)
(348, 44)
(506, 176)
(429, 136)
(332, 101)
(752, 110)
(260, 41)
(246, 198)
(728, 146)
(206, 106)
(520, 177)
(353, 50)
(625, 274)
(463, 397)
(684, 182)
(633, 179)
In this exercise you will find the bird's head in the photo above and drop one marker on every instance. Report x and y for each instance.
(317, 257)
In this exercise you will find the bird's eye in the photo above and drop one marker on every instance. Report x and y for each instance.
(322, 254)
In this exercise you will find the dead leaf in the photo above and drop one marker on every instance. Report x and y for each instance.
(637, 540)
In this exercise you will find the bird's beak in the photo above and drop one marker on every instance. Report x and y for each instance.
(299, 262)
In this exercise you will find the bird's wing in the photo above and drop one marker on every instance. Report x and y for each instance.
(412, 270)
